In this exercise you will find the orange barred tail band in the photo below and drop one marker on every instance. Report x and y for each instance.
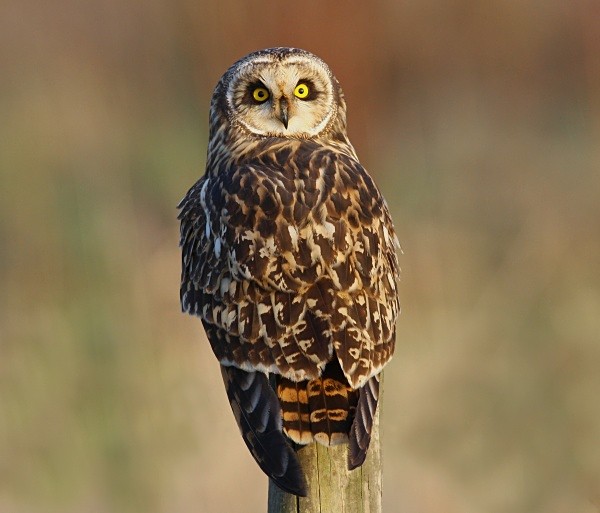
(295, 412)
(321, 409)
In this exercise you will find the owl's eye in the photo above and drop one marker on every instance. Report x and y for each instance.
(260, 94)
(301, 91)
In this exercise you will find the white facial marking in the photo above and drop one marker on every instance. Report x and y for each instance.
(306, 117)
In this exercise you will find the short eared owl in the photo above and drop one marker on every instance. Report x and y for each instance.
(289, 258)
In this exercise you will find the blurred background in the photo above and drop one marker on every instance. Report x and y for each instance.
(481, 123)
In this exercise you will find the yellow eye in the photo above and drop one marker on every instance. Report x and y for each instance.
(260, 94)
(301, 91)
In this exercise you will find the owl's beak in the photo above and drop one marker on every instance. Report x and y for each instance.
(283, 111)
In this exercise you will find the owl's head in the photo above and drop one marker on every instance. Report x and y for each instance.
(280, 92)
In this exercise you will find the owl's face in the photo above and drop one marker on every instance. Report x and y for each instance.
(281, 92)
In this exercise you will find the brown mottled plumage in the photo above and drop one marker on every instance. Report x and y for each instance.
(289, 258)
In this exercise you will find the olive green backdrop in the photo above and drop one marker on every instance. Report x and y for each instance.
(481, 123)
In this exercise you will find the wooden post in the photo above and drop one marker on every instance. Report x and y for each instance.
(332, 488)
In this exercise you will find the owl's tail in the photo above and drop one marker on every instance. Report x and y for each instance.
(258, 415)
(326, 409)
(329, 411)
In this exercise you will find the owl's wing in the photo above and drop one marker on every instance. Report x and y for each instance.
(257, 412)
(294, 257)
(237, 276)
(360, 433)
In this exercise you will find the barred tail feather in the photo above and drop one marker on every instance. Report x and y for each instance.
(295, 414)
(258, 414)
(360, 432)
(330, 415)
(321, 409)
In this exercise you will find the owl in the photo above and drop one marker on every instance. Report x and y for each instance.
(289, 259)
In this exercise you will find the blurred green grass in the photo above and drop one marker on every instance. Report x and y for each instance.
(480, 123)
